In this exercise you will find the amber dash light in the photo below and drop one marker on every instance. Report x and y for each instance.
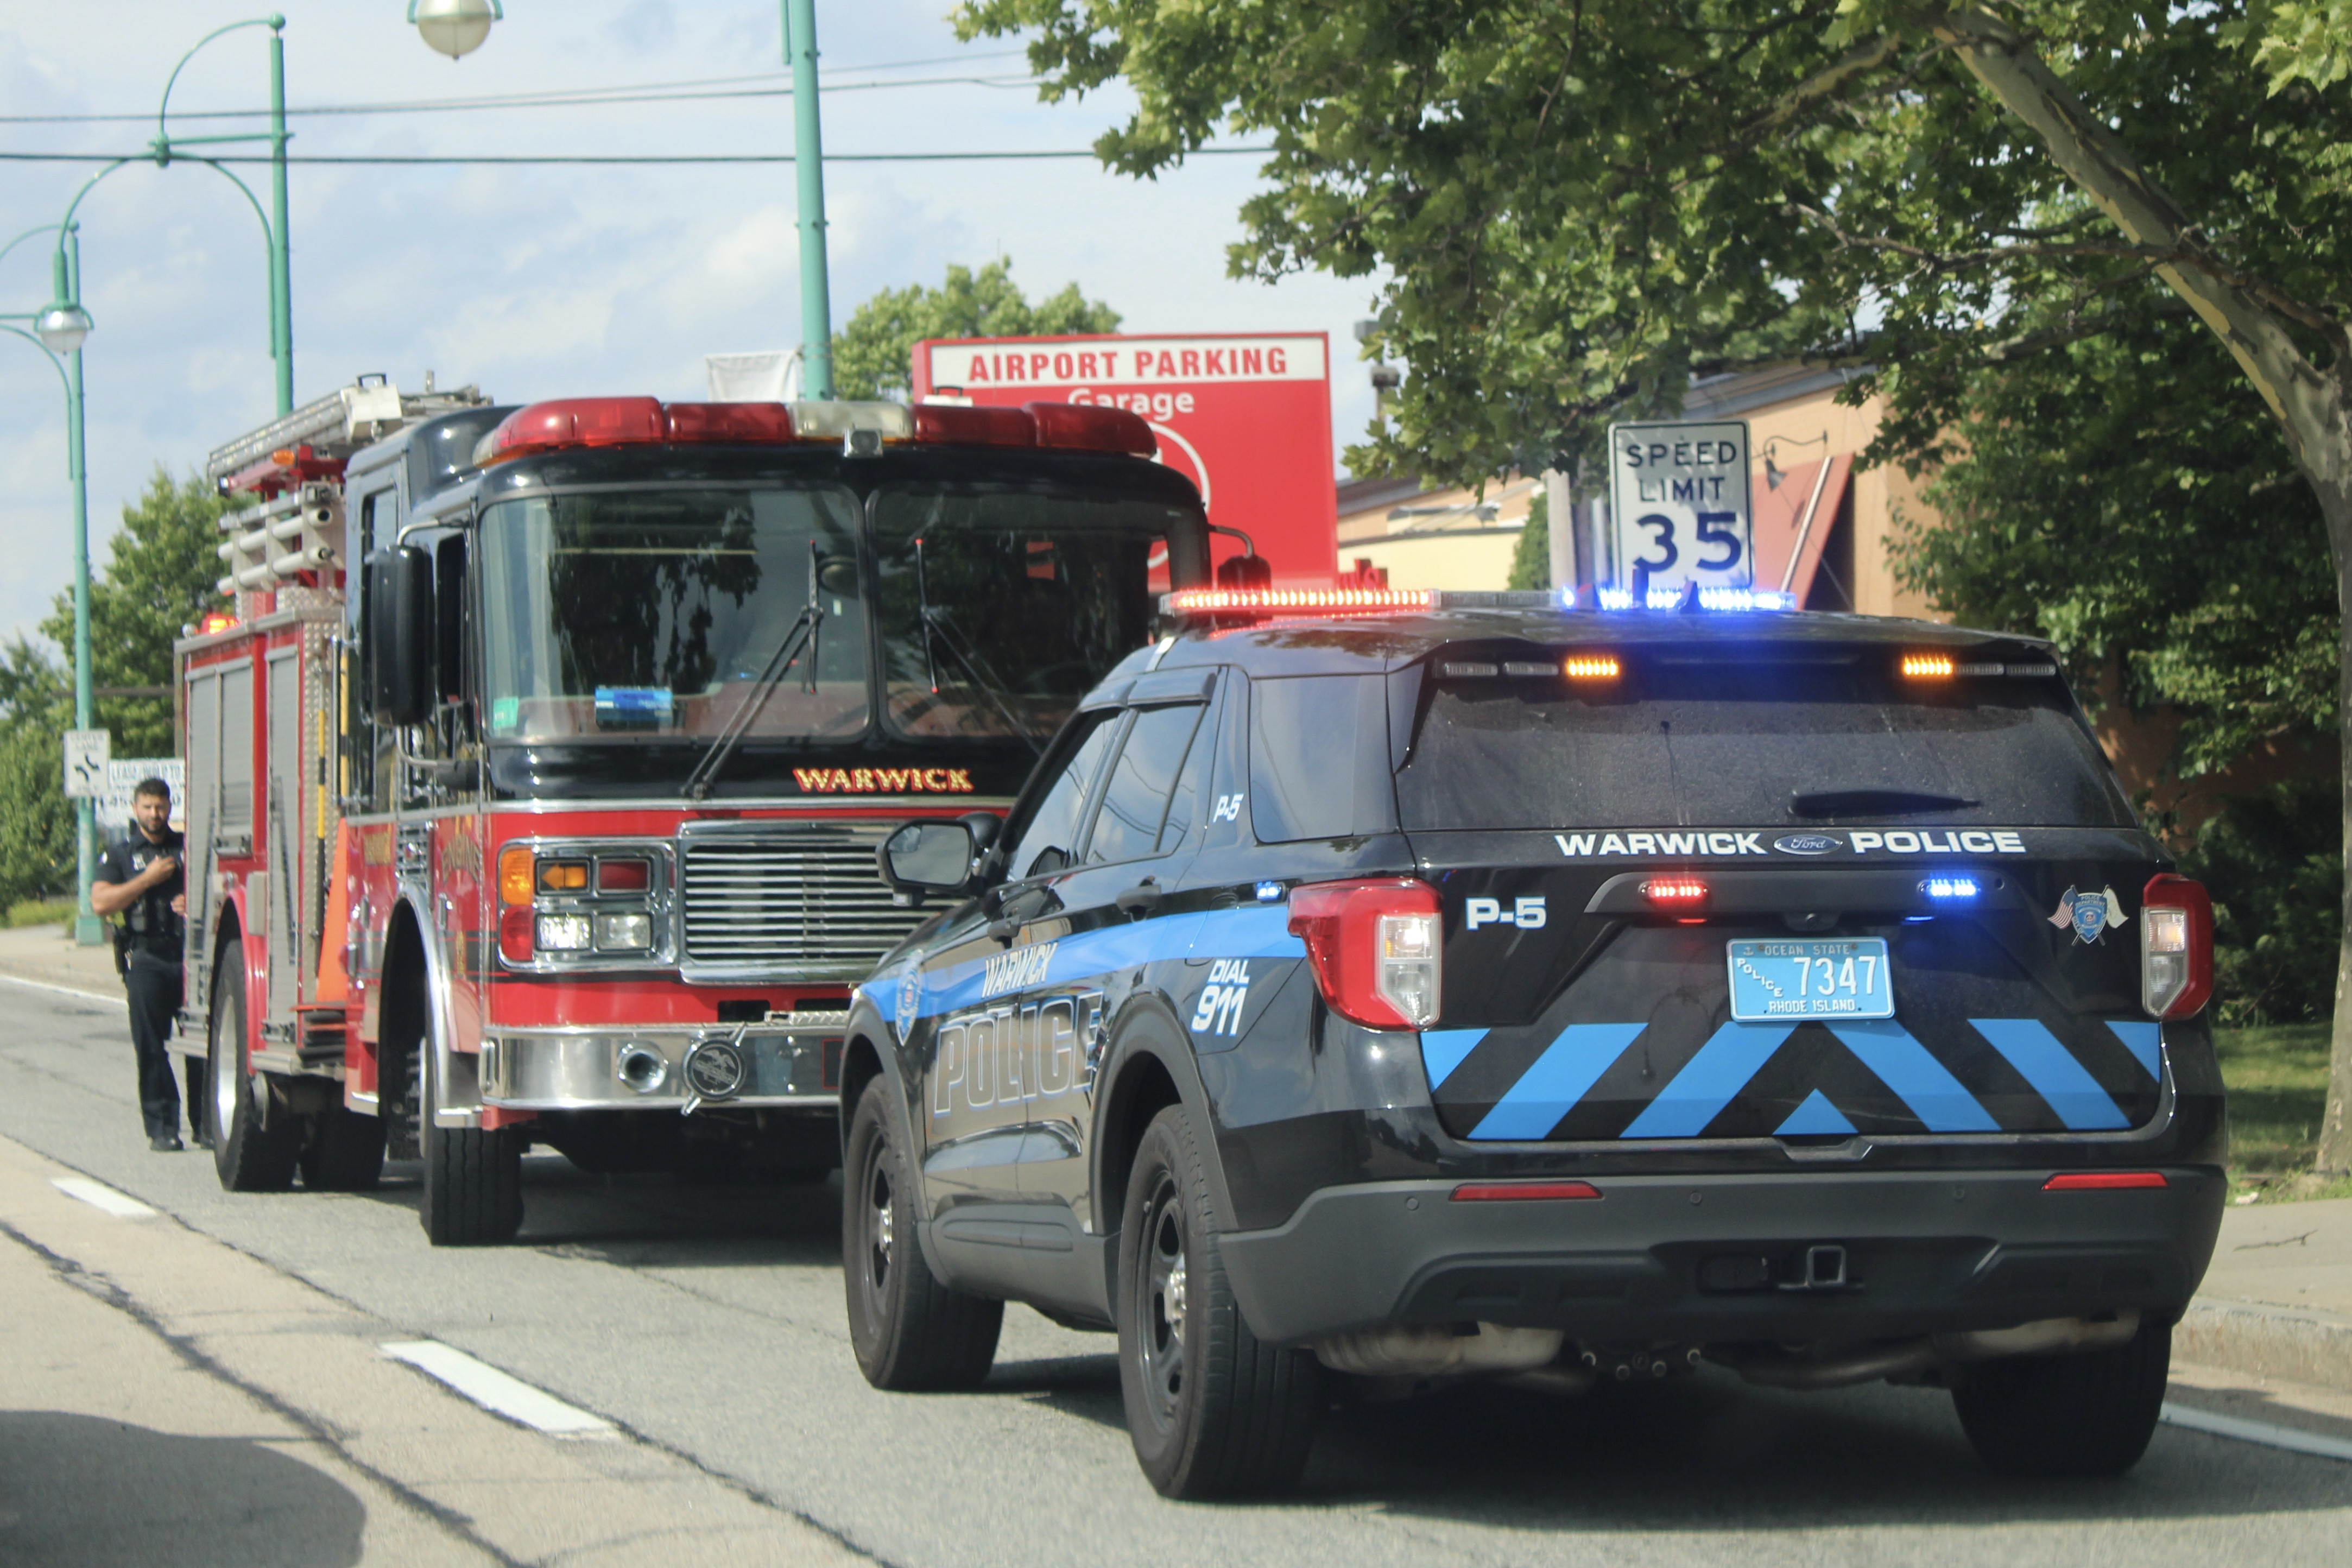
(218, 621)
(1927, 666)
(1678, 892)
(1522, 1192)
(2103, 1181)
(1589, 667)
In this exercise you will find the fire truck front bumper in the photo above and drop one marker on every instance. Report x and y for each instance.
(792, 1060)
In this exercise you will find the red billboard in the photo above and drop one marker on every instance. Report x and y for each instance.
(1246, 417)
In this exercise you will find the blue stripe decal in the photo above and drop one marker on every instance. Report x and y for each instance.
(2053, 1072)
(1257, 931)
(1441, 1051)
(1816, 1117)
(1560, 1078)
(2144, 1041)
(1073, 959)
(1922, 1082)
(1732, 1055)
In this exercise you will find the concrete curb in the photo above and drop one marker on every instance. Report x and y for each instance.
(2268, 1341)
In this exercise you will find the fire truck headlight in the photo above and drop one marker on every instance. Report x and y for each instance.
(624, 933)
(562, 933)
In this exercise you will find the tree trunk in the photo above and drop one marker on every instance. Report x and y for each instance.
(2310, 403)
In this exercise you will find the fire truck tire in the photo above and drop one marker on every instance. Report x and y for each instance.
(911, 1333)
(249, 1157)
(473, 1179)
(346, 1151)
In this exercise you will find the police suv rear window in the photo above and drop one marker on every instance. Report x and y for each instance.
(1743, 739)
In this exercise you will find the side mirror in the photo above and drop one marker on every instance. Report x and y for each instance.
(400, 635)
(930, 857)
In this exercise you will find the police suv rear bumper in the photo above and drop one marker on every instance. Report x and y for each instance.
(1715, 1260)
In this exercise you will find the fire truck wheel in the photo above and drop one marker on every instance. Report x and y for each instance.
(911, 1333)
(250, 1158)
(473, 1179)
(346, 1151)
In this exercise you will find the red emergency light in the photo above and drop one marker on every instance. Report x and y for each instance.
(567, 423)
(1245, 601)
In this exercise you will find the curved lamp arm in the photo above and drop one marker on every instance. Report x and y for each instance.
(55, 362)
(274, 22)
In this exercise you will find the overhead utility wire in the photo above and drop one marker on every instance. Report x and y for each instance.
(653, 158)
(559, 98)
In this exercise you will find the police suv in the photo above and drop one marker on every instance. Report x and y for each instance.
(1412, 986)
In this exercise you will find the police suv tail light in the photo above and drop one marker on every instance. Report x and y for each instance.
(1375, 949)
(2176, 947)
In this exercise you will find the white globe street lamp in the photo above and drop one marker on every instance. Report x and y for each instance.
(455, 27)
(62, 327)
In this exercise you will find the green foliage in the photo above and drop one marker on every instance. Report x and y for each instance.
(39, 912)
(159, 577)
(872, 353)
(2274, 865)
(37, 851)
(2298, 40)
(1531, 557)
(2126, 495)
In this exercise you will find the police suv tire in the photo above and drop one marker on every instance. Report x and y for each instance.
(473, 1178)
(1213, 1412)
(912, 1333)
(344, 1153)
(248, 1157)
(2068, 1415)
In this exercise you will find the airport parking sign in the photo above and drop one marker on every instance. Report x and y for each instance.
(1678, 495)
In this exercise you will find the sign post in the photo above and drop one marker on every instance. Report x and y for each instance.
(87, 753)
(1679, 496)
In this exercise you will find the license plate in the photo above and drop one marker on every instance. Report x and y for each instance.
(1831, 977)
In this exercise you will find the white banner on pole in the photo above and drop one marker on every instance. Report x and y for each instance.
(124, 774)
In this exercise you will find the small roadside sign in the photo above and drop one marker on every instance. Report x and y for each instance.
(124, 774)
(86, 751)
(1678, 496)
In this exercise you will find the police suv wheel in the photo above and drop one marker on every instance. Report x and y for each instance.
(248, 1157)
(2068, 1415)
(911, 1333)
(1213, 1412)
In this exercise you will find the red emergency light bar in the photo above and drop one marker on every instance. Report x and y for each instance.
(1243, 600)
(568, 422)
(281, 471)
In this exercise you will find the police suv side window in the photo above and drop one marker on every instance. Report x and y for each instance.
(1049, 839)
(1312, 775)
(1135, 802)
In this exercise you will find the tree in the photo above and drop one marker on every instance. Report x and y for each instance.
(37, 849)
(160, 576)
(1579, 205)
(871, 355)
(1532, 556)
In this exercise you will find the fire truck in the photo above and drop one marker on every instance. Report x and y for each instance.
(538, 759)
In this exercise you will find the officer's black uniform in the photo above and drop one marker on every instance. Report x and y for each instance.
(147, 951)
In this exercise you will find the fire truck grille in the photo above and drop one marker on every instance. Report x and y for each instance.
(799, 907)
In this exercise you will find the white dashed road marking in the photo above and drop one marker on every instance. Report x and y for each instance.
(2262, 1432)
(493, 1390)
(68, 991)
(98, 1195)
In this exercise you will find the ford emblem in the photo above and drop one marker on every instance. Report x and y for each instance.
(1808, 843)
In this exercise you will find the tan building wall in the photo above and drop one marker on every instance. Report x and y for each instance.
(1433, 539)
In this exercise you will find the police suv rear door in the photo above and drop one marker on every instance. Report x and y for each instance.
(1773, 890)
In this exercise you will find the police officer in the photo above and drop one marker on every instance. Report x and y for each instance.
(141, 879)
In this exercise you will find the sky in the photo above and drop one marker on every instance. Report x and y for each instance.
(541, 281)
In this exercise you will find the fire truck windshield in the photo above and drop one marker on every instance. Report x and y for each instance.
(635, 613)
(999, 608)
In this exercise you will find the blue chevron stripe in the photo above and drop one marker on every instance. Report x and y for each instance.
(1816, 1118)
(1917, 1078)
(2145, 1041)
(1732, 1055)
(1547, 1091)
(1441, 1051)
(2053, 1072)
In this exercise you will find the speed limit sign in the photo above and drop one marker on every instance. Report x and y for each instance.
(1678, 493)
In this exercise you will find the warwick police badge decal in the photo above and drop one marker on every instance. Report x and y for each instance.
(2091, 914)
(910, 994)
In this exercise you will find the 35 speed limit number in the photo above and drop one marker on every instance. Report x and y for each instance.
(1678, 495)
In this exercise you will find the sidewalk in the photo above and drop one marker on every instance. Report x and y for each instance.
(43, 953)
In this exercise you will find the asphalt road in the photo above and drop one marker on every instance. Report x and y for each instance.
(706, 1322)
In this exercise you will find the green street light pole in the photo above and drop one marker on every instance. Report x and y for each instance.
(808, 164)
(59, 331)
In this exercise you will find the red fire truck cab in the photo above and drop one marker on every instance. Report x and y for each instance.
(535, 779)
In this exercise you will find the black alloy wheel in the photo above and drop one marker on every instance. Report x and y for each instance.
(912, 1333)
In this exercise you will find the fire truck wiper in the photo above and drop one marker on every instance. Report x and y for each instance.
(939, 625)
(801, 634)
